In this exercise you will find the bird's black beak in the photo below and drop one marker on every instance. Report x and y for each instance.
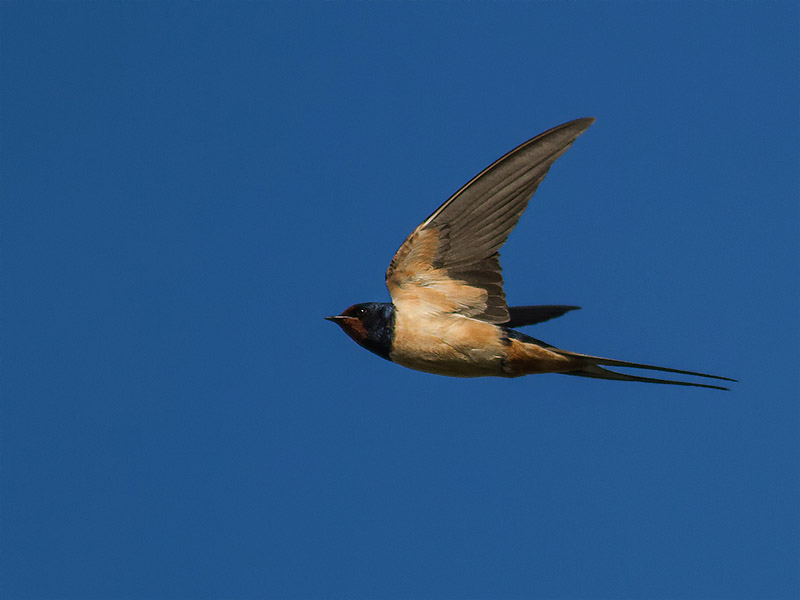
(335, 318)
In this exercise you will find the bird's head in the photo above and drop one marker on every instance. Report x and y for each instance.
(370, 325)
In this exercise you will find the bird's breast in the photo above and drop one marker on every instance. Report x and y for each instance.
(447, 344)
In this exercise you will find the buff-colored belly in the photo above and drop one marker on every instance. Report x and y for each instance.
(448, 345)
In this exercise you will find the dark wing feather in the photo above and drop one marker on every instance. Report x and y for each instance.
(462, 237)
(520, 316)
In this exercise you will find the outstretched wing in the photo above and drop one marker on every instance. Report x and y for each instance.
(450, 263)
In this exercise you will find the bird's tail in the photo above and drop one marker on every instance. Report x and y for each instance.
(594, 369)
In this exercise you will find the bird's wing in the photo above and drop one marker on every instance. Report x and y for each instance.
(520, 316)
(450, 263)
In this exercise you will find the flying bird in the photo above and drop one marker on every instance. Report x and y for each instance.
(448, 313)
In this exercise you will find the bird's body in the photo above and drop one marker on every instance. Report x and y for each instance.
(447, 344)
(463, 347)
(448, 313)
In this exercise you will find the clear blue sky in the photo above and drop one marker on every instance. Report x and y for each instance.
(187, 189)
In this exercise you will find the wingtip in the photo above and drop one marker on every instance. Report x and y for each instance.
(575, 127)
(585, 122)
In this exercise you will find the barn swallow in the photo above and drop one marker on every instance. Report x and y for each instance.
(448, 313)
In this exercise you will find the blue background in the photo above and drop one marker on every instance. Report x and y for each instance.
(187, 189)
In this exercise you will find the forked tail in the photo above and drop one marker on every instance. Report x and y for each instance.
(598, 372)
